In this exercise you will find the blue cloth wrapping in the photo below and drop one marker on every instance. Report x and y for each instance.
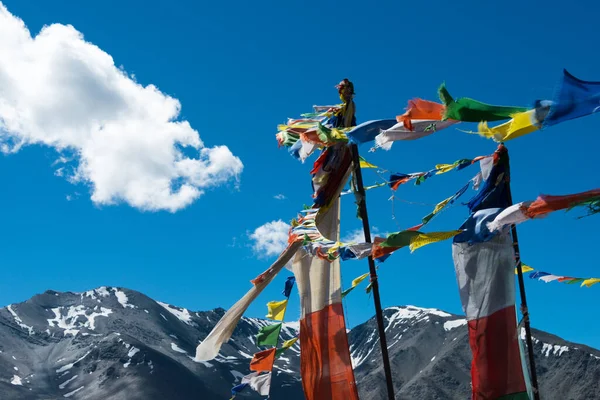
(289, 284)
(476, 230)
(367, 131)
(494, 191)
(237, 389)
(346, 254)
(574, 99)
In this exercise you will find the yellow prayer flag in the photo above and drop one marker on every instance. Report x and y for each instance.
(366, 164)
(590, 282)
(520, 124)
(443, 168)
(289, 343)
(276, 310)
(441, 205)
(424, 239)
(358, 280)
(524, 268)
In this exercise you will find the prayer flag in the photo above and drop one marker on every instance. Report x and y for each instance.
(524, 269)
(355, 283)
(263, 360)
(268, 335)
(276, 310)
(521, 124)
(575, 98)
(286, 345)
(259, 383)
(325, 363)
(423, 239)
(289, 284)
(469, 110)
(487, 292)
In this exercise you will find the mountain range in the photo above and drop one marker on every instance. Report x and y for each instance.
(118, 344)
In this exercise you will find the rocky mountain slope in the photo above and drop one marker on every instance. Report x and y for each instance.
(117, 344)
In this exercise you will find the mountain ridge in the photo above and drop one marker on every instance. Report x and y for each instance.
(111, 342)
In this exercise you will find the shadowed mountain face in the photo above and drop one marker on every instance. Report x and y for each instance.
(117, 344)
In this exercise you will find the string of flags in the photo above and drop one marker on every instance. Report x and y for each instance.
(263, 361)
(548, 277)
(573, 99)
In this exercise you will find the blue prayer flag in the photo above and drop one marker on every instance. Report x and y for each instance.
(289, 284)
(574, 99)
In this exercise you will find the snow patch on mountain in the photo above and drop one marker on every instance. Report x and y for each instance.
(178, 349)
(182, 314)
(70, 365)
(65, 383)
(449, 325)
(73, 392)
(19, 321)
(16, 380)
(73, 318)
(122, 298)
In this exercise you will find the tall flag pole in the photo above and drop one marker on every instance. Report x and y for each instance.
(346, 89)
(524, 310)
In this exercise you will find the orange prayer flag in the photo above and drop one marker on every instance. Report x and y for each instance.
(421, 109)
(263, 360)
(378, 251)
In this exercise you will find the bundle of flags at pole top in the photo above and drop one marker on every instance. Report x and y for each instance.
(574, 98)
(548, 277)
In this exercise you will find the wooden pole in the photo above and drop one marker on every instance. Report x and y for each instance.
(346, 90)
(362, 209)
(524, 310)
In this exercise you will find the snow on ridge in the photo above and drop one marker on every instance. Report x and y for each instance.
(16, 380)
(183, 314)
(547, 348)
(178, 349)
(19, 321)
(449, 325)
(122, 298)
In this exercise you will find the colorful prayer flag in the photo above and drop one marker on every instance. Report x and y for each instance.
(263, 360)
(423, 239)
(469, 110)
(286, 345)
(289, 284)
(268, 335)
(488, 300)
(276, 310)
(575, 98)
(355, 283)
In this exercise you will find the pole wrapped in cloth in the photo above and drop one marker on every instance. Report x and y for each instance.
(325, 363)
(485, 275)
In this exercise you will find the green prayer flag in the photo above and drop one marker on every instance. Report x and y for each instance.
(469, 110)
(268, 335)
(399, 239)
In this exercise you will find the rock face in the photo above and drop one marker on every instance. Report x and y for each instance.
(117, 344)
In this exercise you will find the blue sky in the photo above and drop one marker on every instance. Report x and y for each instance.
(241, 68)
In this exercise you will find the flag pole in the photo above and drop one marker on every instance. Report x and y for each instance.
(524, 310)
(362, 209)
(359, 192)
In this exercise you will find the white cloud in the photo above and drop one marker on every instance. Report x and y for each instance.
(122, 139)
(271, 238)
(358, 236)
(280, 197)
